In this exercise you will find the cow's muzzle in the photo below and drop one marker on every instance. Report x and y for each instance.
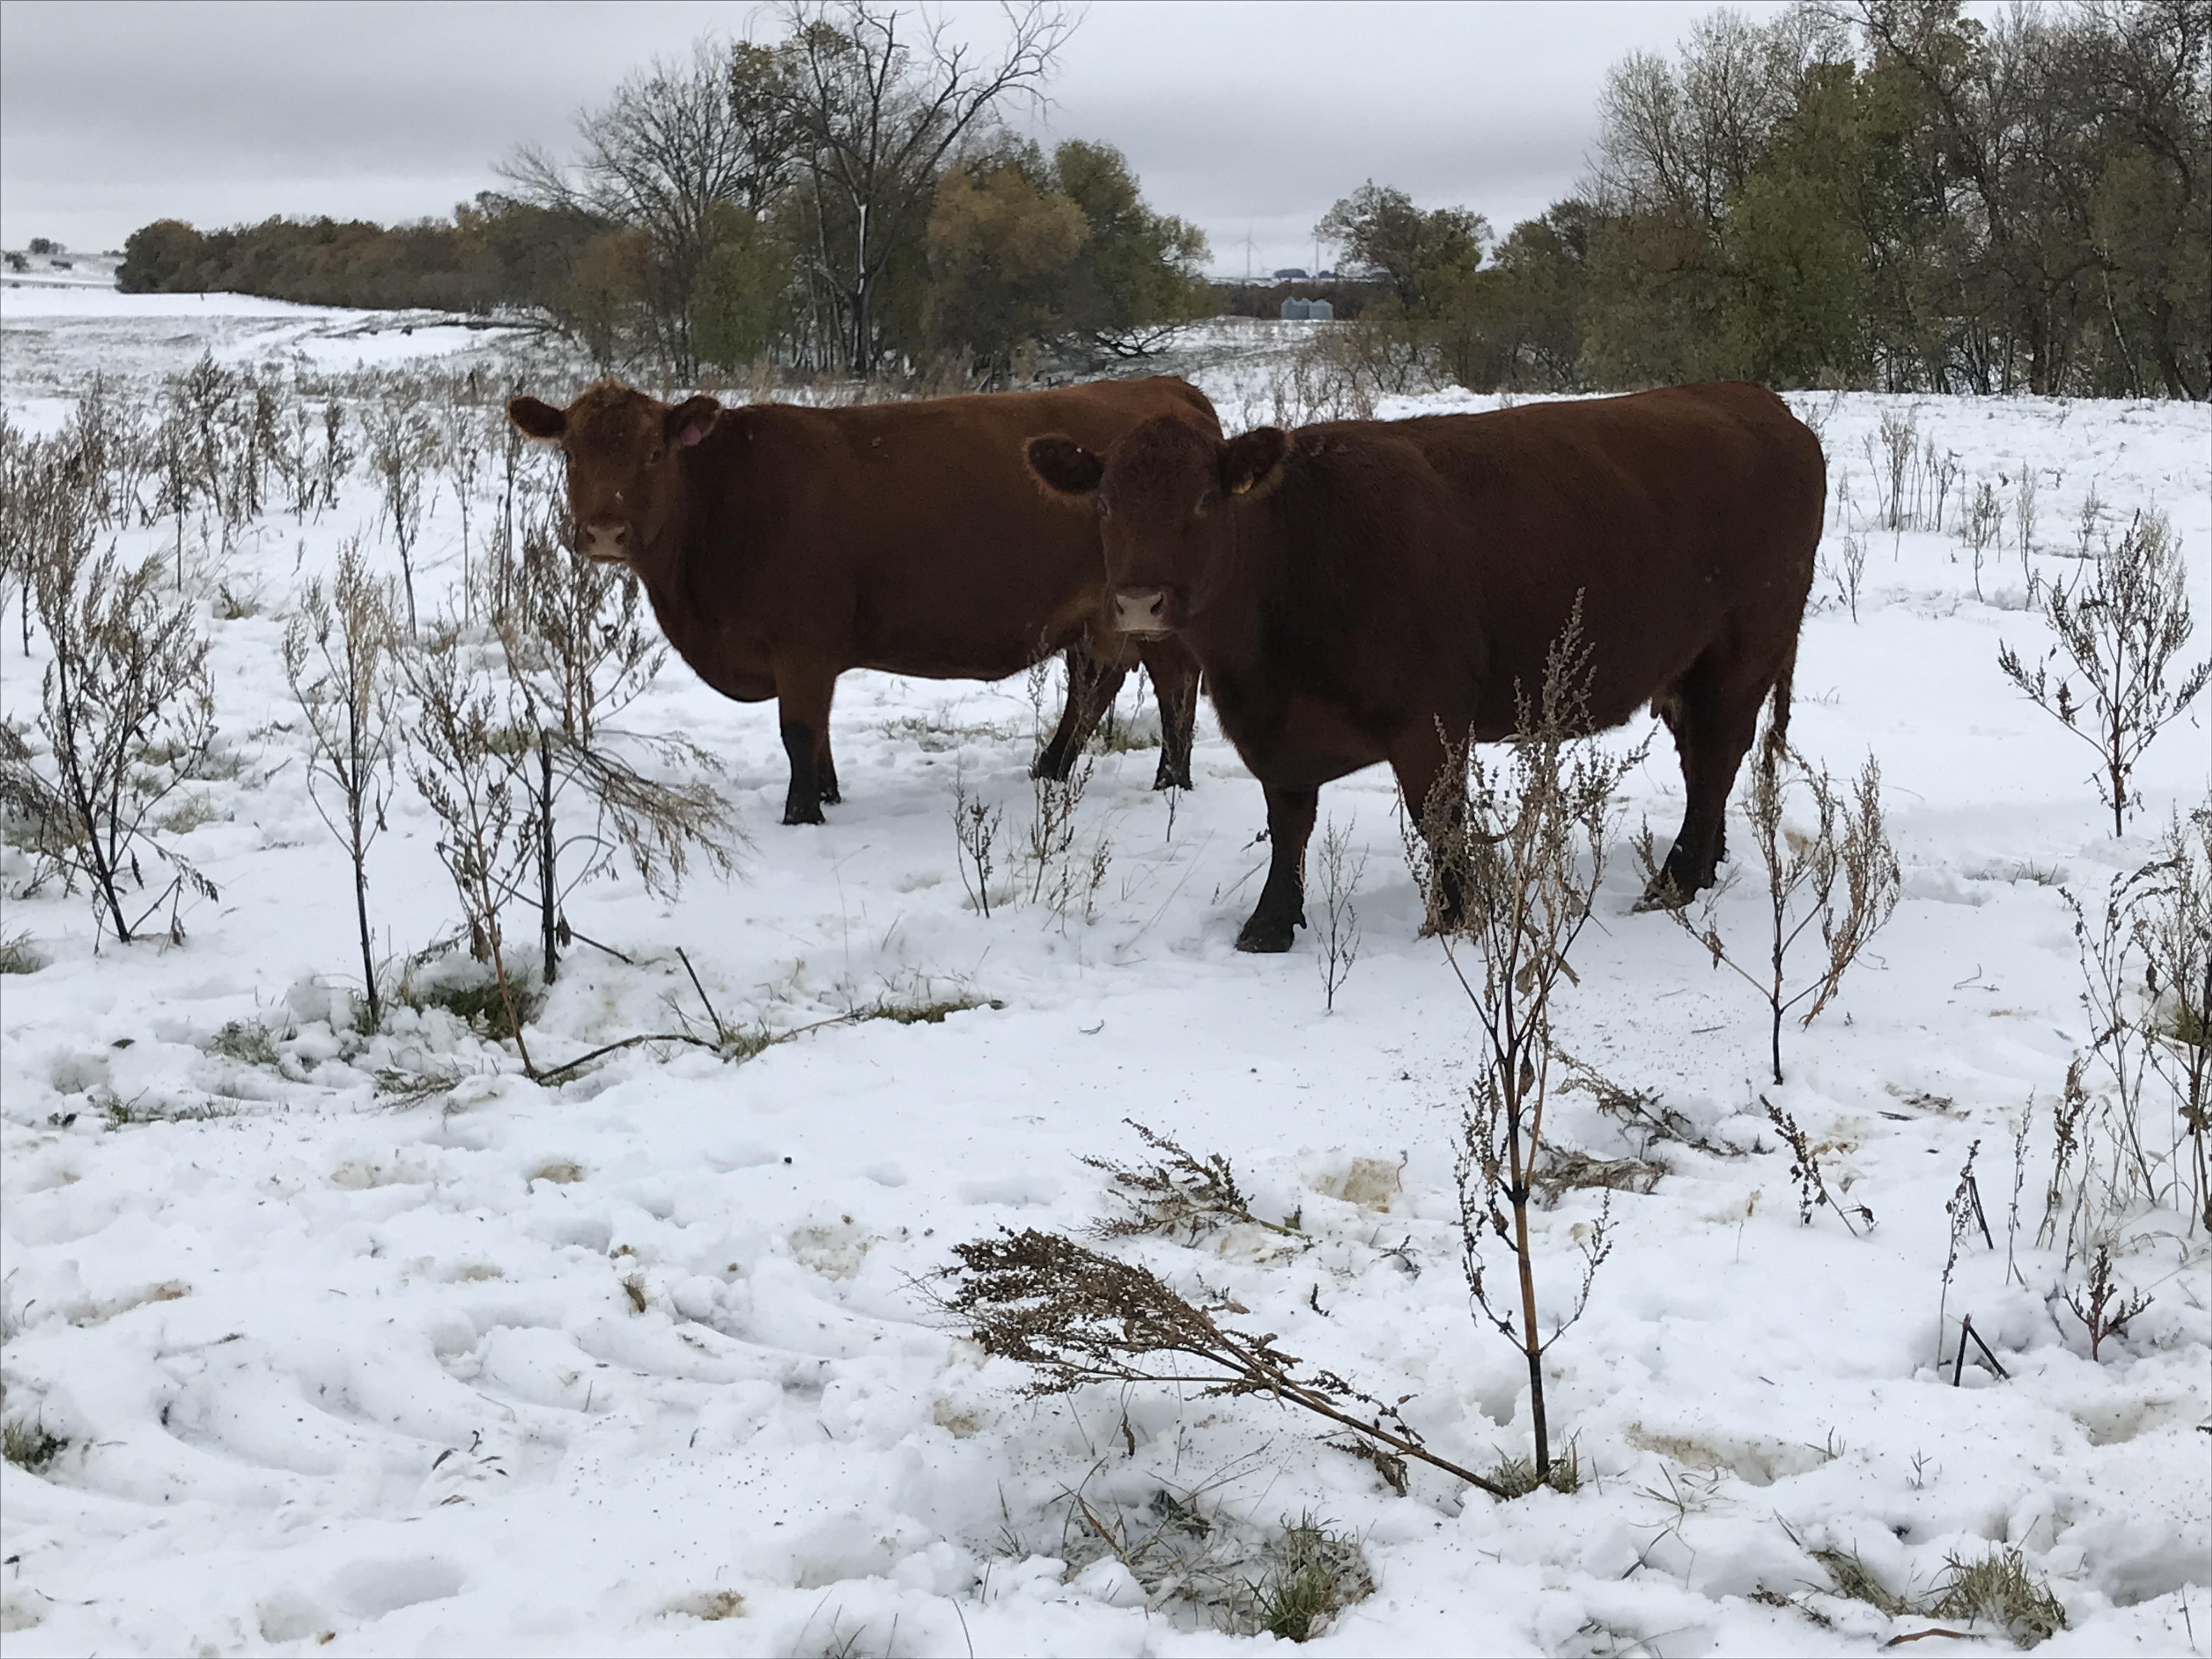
(1141, 610)
(607, 540)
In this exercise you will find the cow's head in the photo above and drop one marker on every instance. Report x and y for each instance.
(1165, 496)
(621, 447)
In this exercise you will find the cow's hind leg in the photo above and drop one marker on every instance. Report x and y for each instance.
(1713, 712)
(1422, 764)
(803, 694)
(1174, 686)
(1093, 684)
(1281, 910)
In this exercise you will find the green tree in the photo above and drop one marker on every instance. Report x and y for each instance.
(1140, 274)
(1796, 267)
(737, 300)
(600, 302)
(1001, 238)
(165, 256)
(1518, 322)
(1421, 253)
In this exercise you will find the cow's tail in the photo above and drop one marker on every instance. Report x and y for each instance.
(1777, 743)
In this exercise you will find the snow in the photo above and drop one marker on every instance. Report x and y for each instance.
(342, 1373)
(56, 336)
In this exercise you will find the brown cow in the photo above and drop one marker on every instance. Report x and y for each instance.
(1354, 590)
(783, 545)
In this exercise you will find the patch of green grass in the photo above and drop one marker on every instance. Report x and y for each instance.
(19, 956)
(404, 1087)
(711, 1606)
(2000, 1589)
(123, 1114)
(236, 605)
(246, 1041)
(189, 814)
(216, 766)
(476, 1000)
(510, 741)
(745, 1043)
(29, 1445)
(1125, 736)
(2185, 1027)
(936, 735)
(1853, 1580)
(1315, 1575)
(923, 1011)
(1516, 1476)
(1996, 1589)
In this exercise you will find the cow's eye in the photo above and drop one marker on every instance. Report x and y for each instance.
(1105, 511)
(658, 450)
(1205, 502)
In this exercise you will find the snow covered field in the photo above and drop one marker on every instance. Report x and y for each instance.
(339, 1374)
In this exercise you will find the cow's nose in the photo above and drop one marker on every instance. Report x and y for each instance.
(1141, 609)
(606, 539)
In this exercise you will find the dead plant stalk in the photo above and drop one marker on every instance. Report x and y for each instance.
(339, 663)
(1508, 856)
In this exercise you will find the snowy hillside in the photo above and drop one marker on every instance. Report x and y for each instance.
(298, 1357)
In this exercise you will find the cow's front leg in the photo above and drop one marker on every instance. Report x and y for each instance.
(1282, 907)
(1175, 688)
(803, 692)
(1092, 683)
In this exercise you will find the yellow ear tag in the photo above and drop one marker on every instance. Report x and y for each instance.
(1240, 489)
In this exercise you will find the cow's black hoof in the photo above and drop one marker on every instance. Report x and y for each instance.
(1662, 895)
(1266, 939)
(831, 797)
(801, 814)
(1165, 779)
(1053, 765)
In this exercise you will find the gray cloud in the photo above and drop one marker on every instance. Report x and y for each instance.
(1245, 118)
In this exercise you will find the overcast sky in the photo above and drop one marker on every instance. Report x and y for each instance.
(1250, 119)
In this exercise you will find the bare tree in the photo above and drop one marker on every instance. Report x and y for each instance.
(1508, 856)
(878, 106)
(403, 446)
(1339, 869)
(2147, 983)
(1981, 525)
(465, 763)
(1687, 136)
(338, 456)
(127, 716)
(2120, 625)
(2173, 932)
(340, 662)
(580, 650)
(461, 443)
(1841, 875)
(975, 824)
(678, 142)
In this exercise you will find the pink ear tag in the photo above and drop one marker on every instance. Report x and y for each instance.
(691, 435)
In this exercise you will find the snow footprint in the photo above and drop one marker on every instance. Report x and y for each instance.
(370, 1589)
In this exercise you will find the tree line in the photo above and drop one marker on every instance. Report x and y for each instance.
(849, 198)
(1870, 193)
(1882, 194)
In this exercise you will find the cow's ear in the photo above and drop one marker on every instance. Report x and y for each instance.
(1252, 462)
(1063, 466)
(537, 420)
(691, 419)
